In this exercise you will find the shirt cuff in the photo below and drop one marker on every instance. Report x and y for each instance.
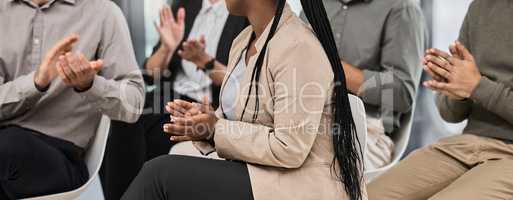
(370, 91)
(484, 91)
(27, 86)
(97, 91)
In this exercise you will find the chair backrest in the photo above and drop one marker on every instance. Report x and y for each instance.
(93, 159)
(401, 139)
(359, 117)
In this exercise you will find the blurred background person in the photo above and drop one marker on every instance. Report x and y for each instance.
(473, 82)
(381, 44)
(53, 93)
(188, 63)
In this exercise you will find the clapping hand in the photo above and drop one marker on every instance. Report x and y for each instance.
(47, 72)
(171, 30)
(194, 51)
(190, 121)
(77, 72)
(455, 75)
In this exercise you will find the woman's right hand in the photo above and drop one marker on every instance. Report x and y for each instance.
(190, 121)
(171, 30)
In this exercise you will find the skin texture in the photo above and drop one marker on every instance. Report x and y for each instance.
(171, 31)
(195, 122)
(354, 77)
(455, 75)
(76, 71)
(47, 71)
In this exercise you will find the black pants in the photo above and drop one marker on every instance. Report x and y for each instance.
(129, 147)
(174, 177)
(33, 164)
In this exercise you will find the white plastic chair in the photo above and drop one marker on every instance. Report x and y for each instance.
(401, 139)
(93, 158)
(360, 120)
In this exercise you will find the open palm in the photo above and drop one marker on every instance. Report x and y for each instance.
(171, 30)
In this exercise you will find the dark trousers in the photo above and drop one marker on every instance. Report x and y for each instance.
(129, 147)
(34, 164)
(174, 177)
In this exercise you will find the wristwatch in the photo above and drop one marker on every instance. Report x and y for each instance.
(210, 65)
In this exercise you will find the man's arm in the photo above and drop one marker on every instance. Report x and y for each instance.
(159, 60)
(17, 96)
(171, 30)
(119, 91)
(403, 48)
(21, 94)
(496, 97)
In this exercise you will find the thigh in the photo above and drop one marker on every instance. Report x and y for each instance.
(488, 181)
(32, 167)
(190, 178)
(418, 177)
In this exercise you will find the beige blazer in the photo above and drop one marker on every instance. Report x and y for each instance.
(289, 148)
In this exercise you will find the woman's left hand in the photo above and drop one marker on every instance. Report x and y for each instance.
(195, 124)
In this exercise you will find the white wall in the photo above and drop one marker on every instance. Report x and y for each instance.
(448, 17)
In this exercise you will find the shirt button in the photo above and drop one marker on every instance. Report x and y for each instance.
(36, 41)
(339, 35)
(345, 7)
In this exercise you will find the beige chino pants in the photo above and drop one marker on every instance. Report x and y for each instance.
(464, 167)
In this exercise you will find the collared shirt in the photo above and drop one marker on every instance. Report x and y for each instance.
(29, 31)
(210, 23)
(385, 39)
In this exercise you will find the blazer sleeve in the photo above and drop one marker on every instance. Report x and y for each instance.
(300, 97)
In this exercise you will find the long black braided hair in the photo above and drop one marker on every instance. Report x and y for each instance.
(345, 142)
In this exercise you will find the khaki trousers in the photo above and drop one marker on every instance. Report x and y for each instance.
(464, 167)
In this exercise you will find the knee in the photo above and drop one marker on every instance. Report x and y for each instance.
(163, 166)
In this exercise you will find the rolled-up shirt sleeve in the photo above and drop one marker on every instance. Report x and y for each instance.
(403, 47)
(118, 90)
(17, 96)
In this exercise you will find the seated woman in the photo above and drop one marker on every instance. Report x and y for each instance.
(286, 133)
